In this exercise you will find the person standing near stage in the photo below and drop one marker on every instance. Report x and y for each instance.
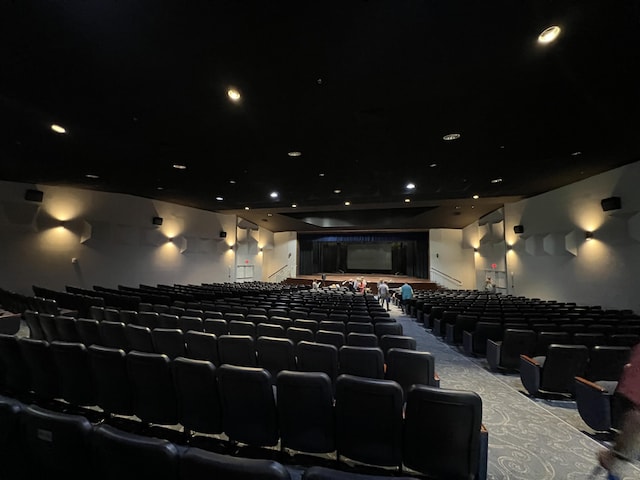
(406, 293)
(383, 294)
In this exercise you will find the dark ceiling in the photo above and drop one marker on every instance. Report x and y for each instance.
(365, 90)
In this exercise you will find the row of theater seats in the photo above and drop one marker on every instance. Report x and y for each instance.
(70, 369)
(370, 421)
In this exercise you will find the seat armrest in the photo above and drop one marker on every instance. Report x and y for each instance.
(436, 380)
(494, 352)
(528, 359)
(530, 373)
(591, 384)
(484, 453)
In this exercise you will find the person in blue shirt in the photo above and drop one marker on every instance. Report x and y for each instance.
(406, 293)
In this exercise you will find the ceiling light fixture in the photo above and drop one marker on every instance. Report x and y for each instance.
(475, 197)
(337, 190)
(410, 186)
(269, 214)
(232, 182)
(407, 200)
(91, 175)
(549, 34)
(496, 180)
(179, 166)
(588, 235)
(219, 198)
(347, 204)
(246, 208)
(294, 154)
(321, 174)
(451, 136)
(294, 205)
(433, 165)
(575, 154)
(58, 129)
(273, 194)
(233, 94)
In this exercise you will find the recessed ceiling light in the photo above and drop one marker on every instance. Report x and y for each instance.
(294, 205)
(433, 165)
(496, 180)
(457, 207)
(232, 181)
(337, 190)
(475, 197)
(233, 94)
(246, 208)
(294, 154)
(179, 167)
(575, 154)
(58, 128)
(451, 136)
(321, 174)
(410, 186)
(407, 200)
(91, 175)
(273, 194)
(269, 214)
(347, 203)
(548, 35)
(159, 188)
(219, 199)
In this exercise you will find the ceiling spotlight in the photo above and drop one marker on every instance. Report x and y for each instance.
(496, 180)
(575, 154)
(321, 174)
(347, 203)
(219, 199)
(407, 200)
(410, 186)
(337, 190)
(232, 182)
(91, 175)
(58, 129)
(451, 136)
(548, 35)
(294, 154)
(269, 214)
(233, 94)
(475, 197)
(246, 208)
(433, 165)
(179, 166)
(294, 205)
(273, 194)
(159, 188)
(588, 235)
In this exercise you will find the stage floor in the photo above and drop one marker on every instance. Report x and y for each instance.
(372, 279)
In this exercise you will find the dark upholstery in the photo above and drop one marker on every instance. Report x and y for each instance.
(14, 368)
(389, 341)
(139, 338)
(202, 346)
(275, 354)
(409, 367)
(114, 335)
(33, 322)
(109, 368)
(217, 326)
(199, 464)
(55, 444)
(305, 411)
(318, 357)
(45, 383)
(338, 339)
(74, 372)
(362, 339)
(188, 322)
(388, 328)
(169, 341)
(66, 328)
(359, 327)
(270, 330)
(475, 342)
(369, 420)
(242, 327)
(297, 334)
(121, 455)
(249, 412)
(10, 447)
(326, 473)
(606, 362)
(505, 354)
(198, 395)
(237, 350)
(48, 324)
(361, 361)
(442, 432)
(155, 399)
(554, 373)
(594, 401)
(89, 331)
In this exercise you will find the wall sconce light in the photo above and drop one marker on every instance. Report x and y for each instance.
(588, 235)
(475, 249)
(63, 224)
(156, 220)
(509, 247)
(230, 247)
(260, 249)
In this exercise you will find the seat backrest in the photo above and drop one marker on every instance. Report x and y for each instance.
(516, 342)
(139, 338)
(257, 318)
(55, 443)
(562, 364)
(388, 328)
(606, 362)
(48, 324)
(148, 319)
(217, 326)
(89, 331)
(270, 330)
(275, 354)
(546, 338)
(297, 334)
(237, 350)
(485, 331)
(361, 361)
(109, 368)
(318, 357)
(410, 367)
(43, 372)
(74, 372)
(199, 464)
(66, 328)
(202, 346)
(242, 327)
(198, 395)
(167, 320)
(169, 341)
(119, 454)
(154, 393)
(305, 411)
(33, 322)
(188, 322)
(249, 413)
(306, 323)
(332, 325)
(362, 339)
(114, 335)
(388, 341)
(10, 446)
(447, 420)
(369, 420)
(17, 375)
(338, 339)
(359, 327)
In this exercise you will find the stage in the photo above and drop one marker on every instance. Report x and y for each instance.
(394, 281)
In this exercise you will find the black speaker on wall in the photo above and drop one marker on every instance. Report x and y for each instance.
(157, 220)
(518, 229)
(611, 203)
(33, 195)
(223, 234)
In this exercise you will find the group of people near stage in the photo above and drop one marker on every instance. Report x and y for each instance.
(403, 293)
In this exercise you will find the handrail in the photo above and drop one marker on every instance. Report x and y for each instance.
(448, 277)
(280, 274)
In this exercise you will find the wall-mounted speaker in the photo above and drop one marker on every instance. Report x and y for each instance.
(33, 195)
(518, 229)
(611, 203)
(157, 220)
(223, 234)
